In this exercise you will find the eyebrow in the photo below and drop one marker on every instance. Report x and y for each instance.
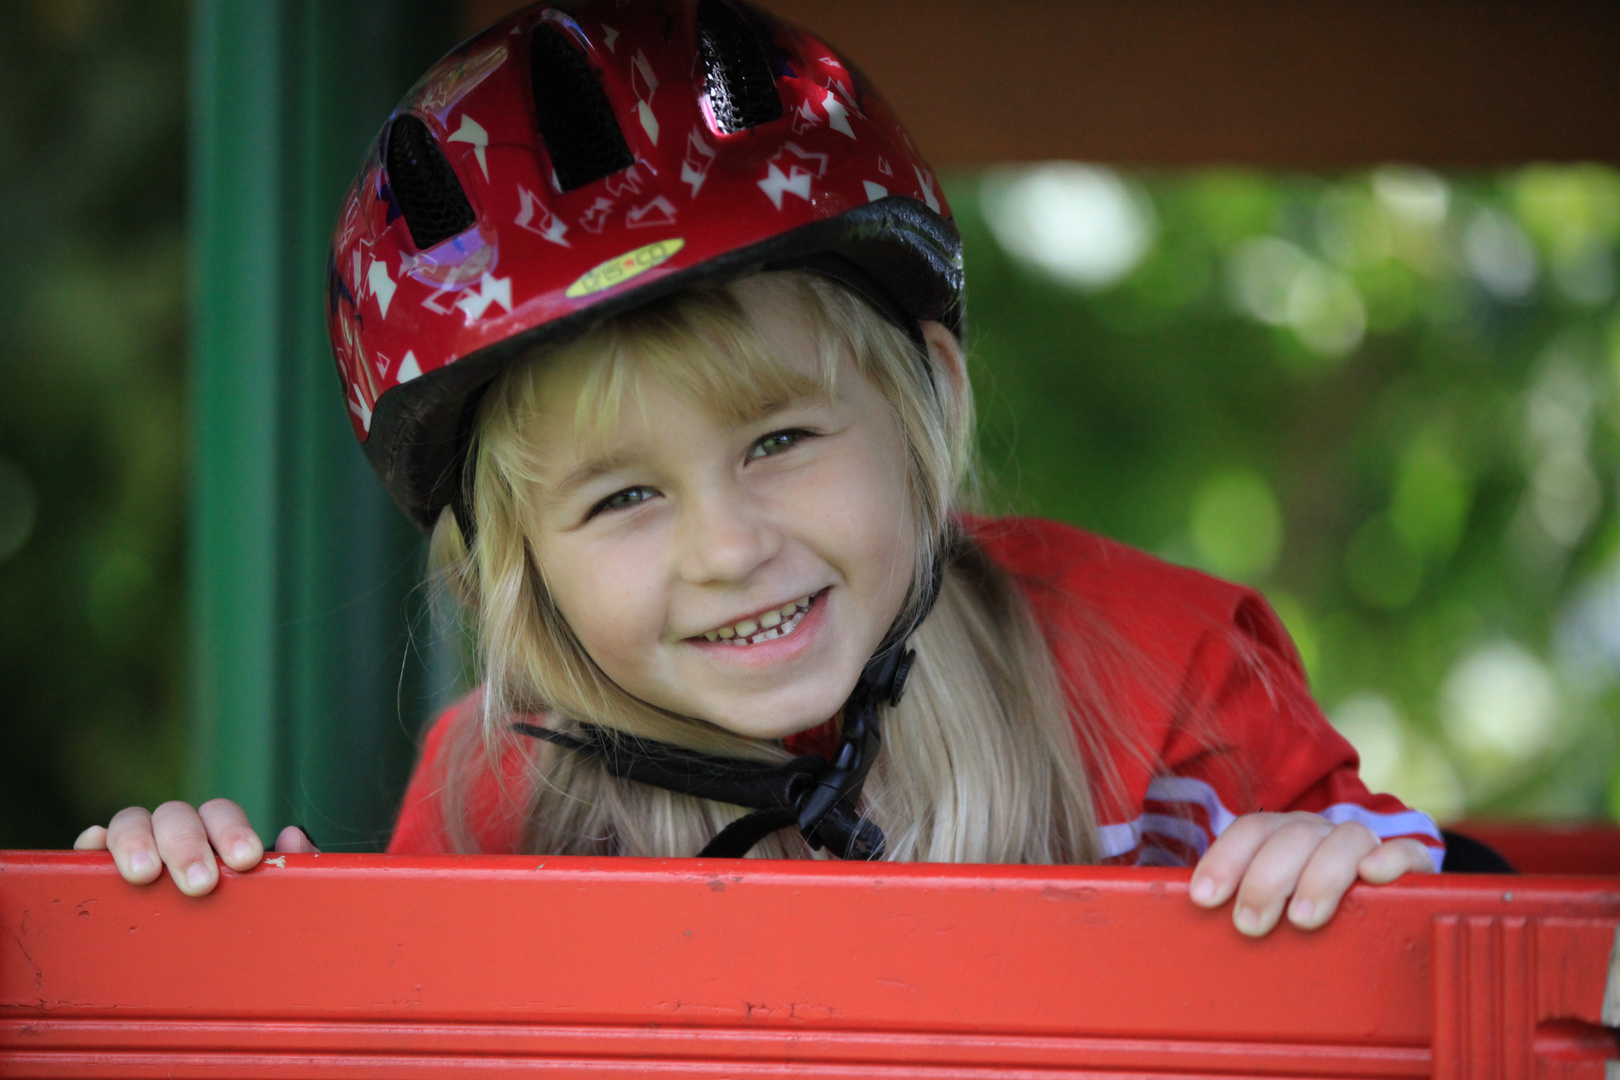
(588, 473)
(764, 410)
(596, 468)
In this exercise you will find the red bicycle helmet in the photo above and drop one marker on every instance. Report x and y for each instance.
(572, 162)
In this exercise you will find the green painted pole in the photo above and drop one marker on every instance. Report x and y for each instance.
(309, 689)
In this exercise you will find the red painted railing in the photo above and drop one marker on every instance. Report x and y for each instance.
(1541, 848)
(348, 965)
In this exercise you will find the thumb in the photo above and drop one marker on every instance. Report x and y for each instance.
(294, 840)
(1395, 858)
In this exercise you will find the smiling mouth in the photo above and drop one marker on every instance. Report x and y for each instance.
(768, 626)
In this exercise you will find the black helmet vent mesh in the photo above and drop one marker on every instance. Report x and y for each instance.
(737, 74)
(573, 115)
(424, 185)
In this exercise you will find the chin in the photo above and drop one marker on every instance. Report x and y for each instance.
(768, 720)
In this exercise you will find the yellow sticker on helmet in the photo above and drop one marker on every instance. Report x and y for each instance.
(622, 268)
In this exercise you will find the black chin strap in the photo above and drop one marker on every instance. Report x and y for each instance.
(818, 796)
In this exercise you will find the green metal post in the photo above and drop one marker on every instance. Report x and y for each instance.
(304, 575)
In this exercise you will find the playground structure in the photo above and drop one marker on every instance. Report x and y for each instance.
(365, 965)
(349, 965)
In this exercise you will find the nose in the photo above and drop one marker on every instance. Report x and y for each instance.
(724, 537)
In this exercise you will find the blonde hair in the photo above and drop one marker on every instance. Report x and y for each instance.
(982, 761)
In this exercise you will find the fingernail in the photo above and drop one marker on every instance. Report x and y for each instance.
(197, 876)
(140, 863)
(1247, 920)
(1203, 890)
(1302, 911)
(242, 852)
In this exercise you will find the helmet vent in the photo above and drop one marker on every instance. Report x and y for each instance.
(424, 185)
(573, 115)
(737, 74)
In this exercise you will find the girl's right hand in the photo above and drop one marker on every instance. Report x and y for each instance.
(185, 840)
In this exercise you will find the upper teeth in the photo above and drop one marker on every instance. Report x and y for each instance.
(775, 623)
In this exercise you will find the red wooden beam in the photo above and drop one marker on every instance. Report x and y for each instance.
(1542, 847)
(1293, 84)
(344, 965)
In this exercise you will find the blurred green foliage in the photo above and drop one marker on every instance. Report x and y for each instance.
(1391, 400)
(92, 425)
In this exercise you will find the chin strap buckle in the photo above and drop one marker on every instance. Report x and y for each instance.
(818, 797)
(827, 812)
(902, 672)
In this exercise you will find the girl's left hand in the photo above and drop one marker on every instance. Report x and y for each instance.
(1268, 858)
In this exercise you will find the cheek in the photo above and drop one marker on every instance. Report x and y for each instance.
(608, 599)
(879, 514)
(872, 524)
(859, 512)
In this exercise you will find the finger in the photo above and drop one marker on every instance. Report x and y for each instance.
(1274, 873)
(182, 840)
(295, 840)
(230, 834)
(134, 851)
(1218, 873)
(1394, 858)
(92, 839)
(1330, 871)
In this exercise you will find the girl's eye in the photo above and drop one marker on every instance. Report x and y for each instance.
(776, 442)
(623, 500)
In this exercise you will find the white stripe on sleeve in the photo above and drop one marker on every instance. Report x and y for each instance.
(1186, 789)
(1385, 826)
(1175, 828)
(1119, 839)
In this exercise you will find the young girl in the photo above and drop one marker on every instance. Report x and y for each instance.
(651, 314)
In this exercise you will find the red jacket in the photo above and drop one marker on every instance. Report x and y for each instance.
(1207, 712)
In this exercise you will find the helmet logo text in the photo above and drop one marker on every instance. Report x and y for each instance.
(623, 267)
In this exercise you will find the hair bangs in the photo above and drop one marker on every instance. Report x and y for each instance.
(702, 344)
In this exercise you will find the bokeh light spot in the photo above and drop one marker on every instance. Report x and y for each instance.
(1236, 525)
(1412, 194)
(1376, 730)
(1081, 224)
(1499, 256)
(1429, 506)
(1277, 283)
(1499, 705)
(1395, 758)
(1326, 311)
(1261, 275)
